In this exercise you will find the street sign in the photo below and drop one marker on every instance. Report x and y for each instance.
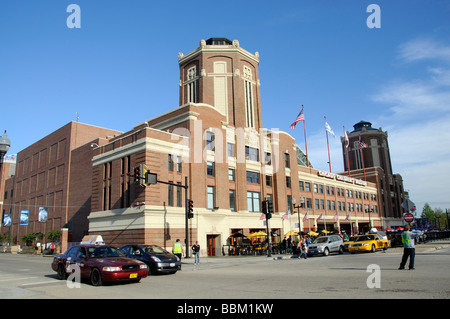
(408, 217)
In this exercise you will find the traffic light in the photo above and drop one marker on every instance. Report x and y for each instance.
(264, 207)
(190, 209)
(269, 209)
(136, 174)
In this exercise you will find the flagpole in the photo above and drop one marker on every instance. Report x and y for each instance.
(306, 145)
(346, 150)
(362, 157)
(328, 145)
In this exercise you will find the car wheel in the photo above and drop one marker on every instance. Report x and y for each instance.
(96, 277)
(326, 252)
(61, 273)
(373, 248)
(385, 246)
(341, 250)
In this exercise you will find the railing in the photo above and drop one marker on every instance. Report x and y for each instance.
(249, 250)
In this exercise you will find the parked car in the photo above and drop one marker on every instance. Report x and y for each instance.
(99, 264)
(158, 259)
(326, 245)
(370, 242)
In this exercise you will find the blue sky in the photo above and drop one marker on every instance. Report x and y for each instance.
(121, 68)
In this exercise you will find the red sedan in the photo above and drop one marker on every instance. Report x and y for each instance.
(99, 264)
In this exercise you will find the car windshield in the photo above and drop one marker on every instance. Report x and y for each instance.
(104, 251)
(153, 249)
(366, 237)
(321, 240)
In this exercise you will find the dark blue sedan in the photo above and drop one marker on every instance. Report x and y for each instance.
(158, 259)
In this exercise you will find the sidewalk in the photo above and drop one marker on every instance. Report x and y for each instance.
(425, 247)
(420, 248)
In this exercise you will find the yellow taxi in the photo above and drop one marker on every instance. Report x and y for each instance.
(350, 241)
(370, 242)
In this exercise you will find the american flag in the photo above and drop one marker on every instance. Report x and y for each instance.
(361, 143)
(300, 117)
(320, 217)
(306, 217)
(336, 216)
(285, 216)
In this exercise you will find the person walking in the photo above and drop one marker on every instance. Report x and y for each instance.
(177, 249)
(409, 248)
(196, 252)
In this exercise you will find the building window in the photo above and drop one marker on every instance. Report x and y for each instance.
(211, 197)
(269, 180)
(267, 158)
(252, 177)
(179, 164)
(309, 203)
(210, 168)
(251, 154)
(307, 186)
(170, 196)
(316, 188)
(210, 141)
(248, 96)
(170, 162)
(191, 84)
(231, 176)
(286, 160)
(232, 200)
(288, 182)
(230, 148)
(253, 201)
(301, 185)
(178, 194)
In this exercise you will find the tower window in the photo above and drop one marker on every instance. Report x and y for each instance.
(248, 96)
(191, 85)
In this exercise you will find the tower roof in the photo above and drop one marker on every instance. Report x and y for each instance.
(363, 124)
(218, 41)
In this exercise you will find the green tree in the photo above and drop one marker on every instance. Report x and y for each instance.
(427, 212)
(54, 235)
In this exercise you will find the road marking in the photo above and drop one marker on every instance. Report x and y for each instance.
(41, 283)
(20, 278)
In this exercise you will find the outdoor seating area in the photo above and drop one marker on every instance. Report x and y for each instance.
(255, 244)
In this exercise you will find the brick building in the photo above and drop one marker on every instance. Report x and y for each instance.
(55, 172)
(373, 163)
(216, 141)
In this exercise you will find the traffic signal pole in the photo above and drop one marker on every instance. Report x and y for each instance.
(154, 179)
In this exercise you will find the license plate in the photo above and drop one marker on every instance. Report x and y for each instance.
(172, 264)
(133, 275)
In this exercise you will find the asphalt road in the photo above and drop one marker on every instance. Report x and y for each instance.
(347, 276)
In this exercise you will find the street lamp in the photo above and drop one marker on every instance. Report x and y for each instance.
(302, 203)
(369, 211)
(5, 143)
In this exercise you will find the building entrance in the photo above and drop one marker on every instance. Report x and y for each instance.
(211, 245)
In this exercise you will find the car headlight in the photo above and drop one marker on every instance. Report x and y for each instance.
(143, 266)
(111, 269)
(366, 244)
(155, 259)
